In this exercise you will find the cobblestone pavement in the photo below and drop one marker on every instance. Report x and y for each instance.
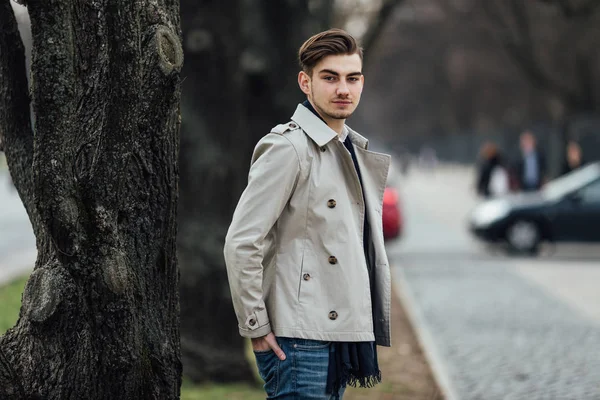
(503, 337)
(494, 327)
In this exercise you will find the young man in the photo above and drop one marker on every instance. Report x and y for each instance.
(305, 254)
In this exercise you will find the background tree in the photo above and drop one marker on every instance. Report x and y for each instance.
(98, 177)
(553, 43)
(449, 73)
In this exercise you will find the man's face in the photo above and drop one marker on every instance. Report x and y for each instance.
(335, 85)
(527, 142)
(573, 152)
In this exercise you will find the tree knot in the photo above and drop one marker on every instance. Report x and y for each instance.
(169, 49)
(43, 293)
(116, 271)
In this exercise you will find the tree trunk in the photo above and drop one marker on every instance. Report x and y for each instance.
(213, 122)
(240, 81)
(99, 179)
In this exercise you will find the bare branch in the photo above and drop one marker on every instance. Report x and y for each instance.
(379, 22)
(15, 120)
(518, 41)
(493, 13)
(581, 9)
(522, 26)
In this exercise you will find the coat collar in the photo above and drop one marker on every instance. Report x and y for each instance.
(318, 130)
(358, 139)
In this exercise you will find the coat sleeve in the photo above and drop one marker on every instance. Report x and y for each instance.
(274, 172)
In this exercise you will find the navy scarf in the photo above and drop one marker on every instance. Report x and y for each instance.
(353, 363)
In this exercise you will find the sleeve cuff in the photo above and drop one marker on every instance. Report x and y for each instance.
(256, 325)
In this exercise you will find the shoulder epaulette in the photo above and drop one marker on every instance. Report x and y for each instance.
(282, 128)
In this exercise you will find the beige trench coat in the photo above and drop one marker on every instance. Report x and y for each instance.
(294, 250)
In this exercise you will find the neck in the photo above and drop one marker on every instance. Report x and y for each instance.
(335, 124)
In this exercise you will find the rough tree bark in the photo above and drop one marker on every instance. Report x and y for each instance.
(240, 81)
(98, 177)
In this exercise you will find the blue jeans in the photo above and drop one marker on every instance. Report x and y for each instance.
(303, 374)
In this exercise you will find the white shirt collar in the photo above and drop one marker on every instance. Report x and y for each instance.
(342, 137)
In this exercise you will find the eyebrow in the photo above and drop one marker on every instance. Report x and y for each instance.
(332, 72)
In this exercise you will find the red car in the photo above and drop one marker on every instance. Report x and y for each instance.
(392, 216)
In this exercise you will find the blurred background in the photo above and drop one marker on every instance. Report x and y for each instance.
(490, 110)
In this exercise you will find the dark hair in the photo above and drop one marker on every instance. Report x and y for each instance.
(330, 42)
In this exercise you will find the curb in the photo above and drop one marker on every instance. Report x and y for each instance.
(430, 349)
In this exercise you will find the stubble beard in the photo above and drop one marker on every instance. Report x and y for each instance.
(334, 114)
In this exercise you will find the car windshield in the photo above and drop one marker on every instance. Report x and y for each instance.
(558, 188)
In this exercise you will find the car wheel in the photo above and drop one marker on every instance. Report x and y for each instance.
(523, 236)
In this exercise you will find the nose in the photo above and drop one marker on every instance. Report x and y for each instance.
(342, 89)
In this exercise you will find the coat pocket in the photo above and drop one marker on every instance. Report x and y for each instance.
(305, 276)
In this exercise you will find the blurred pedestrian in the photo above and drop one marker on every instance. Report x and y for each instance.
(427, 158)
(530, 168)
(573, 158)
(492, 177)
(305, 256)
(404, 158)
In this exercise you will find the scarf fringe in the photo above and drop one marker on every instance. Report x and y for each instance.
(364, 381)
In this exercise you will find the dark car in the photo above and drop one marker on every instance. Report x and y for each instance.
(392, 214)
(565, 210)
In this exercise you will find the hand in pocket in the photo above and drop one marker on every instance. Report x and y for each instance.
(266, 343)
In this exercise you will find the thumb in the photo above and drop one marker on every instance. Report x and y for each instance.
(275, 347)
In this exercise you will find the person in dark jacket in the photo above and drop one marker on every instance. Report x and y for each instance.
(530, 169)
(491, 169)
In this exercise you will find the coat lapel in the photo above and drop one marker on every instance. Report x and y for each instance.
(374, 168)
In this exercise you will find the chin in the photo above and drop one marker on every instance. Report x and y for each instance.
(341, 115)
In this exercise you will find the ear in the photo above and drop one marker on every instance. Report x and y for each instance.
(304, 82)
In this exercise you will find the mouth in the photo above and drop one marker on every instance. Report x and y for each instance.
(343, 102)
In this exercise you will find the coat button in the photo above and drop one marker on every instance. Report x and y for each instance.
(323, 148)
(293, 126)
(306, 277)
(331, 203)
(252, 322)
(332, 260)
(333, 315)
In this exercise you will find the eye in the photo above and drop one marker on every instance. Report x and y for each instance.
(354, 79)
(329, 78)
